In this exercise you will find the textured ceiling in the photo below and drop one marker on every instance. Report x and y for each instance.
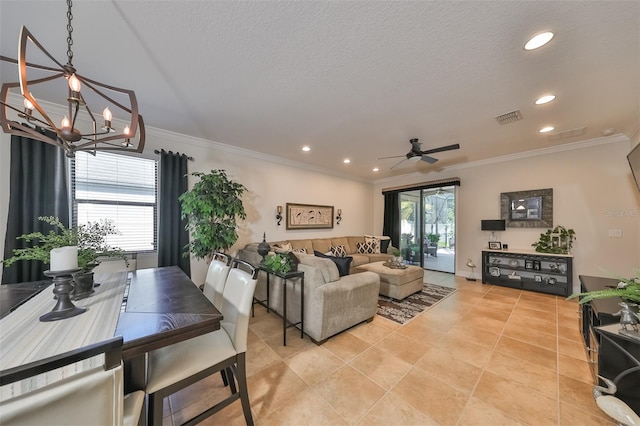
(354, 79)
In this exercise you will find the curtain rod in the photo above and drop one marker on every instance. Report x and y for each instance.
(177, 153)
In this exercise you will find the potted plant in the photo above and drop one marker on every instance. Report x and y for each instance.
(211, 208)
(558, 240)
(627, 289)
(433, 239)
(278, 263)
(90, 238)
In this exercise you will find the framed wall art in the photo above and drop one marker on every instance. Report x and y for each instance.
(309, 216)
(527, 209)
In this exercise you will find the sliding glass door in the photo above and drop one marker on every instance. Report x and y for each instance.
(439, 228)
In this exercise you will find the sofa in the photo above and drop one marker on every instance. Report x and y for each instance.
(332, 303)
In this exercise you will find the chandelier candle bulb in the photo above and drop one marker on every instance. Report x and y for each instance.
(74, 83)
(63, 258)
(65, 122)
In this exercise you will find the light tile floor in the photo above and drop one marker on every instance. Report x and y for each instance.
(486, 355)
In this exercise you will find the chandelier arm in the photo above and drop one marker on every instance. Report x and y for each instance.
(90, 83)
(29, 64)
(25, 35)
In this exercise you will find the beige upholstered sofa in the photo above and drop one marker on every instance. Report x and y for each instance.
(332, 303)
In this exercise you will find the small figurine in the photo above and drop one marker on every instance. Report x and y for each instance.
(627, 316)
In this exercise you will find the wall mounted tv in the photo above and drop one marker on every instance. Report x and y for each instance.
(492, 225)
(634, 163)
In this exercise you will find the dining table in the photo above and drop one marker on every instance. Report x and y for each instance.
(150, 308)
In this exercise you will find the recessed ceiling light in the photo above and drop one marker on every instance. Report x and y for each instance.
(375, 169)
(346, 161)
(306, 149)
(545, 99)
(538, 40)
(546, 129)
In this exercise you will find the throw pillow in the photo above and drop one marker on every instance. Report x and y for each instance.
(366, 248)
(300, 250)
(338, 251)
(342, 263)
(284, 246)
(375, 241)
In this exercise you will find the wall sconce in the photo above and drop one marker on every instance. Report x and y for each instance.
(279, 215)
(339, 217)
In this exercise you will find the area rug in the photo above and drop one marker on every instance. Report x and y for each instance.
(402, 311)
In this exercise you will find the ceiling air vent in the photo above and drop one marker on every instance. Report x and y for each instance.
(578, 131)
(509, 117)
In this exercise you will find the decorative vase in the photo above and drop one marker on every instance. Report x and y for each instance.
(82, 285)
(264, 247)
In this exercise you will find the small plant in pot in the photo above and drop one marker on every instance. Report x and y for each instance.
(90, 238)
(278, 263)
(433, 239)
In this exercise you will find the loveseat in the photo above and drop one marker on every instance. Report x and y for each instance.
(332, 303)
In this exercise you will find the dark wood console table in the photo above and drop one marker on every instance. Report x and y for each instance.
(599, 329)
(285, 322)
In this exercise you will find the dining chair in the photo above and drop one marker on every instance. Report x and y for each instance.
(216, 278)
(93, 395)
(175, 367)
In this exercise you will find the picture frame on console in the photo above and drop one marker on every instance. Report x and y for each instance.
(527, 209)
(495, 245)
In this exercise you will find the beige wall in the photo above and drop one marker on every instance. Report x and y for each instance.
(593, 192)
(272, 182)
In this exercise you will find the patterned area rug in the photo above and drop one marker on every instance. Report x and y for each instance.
(403, 311)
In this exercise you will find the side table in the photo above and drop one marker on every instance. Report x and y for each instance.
(285, 322)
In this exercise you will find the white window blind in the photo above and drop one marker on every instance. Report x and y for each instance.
(121, 188)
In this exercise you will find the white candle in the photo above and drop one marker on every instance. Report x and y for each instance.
(63, 258)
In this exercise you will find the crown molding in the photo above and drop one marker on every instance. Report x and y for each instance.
(617, 138)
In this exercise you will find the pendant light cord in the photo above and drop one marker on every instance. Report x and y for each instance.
(69, 30)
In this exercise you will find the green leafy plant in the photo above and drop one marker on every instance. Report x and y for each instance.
(433, 238)
(393, 251)
(90, 238)
(211, 209)
(627, 289)
(558, 240)
(278, 262)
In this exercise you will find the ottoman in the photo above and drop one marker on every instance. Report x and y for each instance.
(397, 283)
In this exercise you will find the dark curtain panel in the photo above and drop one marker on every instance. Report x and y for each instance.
(38, 187)
(391, 225)
(172, 235)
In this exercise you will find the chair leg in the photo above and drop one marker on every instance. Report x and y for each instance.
(155, 409)
(223, 374)
(244, 393)
(230, 379)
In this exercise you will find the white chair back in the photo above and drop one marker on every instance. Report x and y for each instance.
(216, 277)
(91, 396)
(237, 302)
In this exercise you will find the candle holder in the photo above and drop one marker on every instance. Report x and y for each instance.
(62, 288)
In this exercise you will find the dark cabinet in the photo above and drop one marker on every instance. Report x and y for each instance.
(610, 354)
(544, 273)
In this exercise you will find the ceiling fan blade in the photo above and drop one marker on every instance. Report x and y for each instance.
(394, 156)
(397, 164)
(428, 159)
(441, 149)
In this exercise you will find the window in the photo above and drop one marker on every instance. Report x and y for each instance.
(121, 188)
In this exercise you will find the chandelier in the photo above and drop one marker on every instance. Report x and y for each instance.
(78, 129)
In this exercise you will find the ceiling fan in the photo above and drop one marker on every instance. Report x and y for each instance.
(416, 151)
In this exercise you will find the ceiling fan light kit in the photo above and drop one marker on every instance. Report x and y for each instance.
(78, 130)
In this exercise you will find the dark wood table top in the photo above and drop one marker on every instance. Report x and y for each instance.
(163, 307)
(601, 306)
(14, 295)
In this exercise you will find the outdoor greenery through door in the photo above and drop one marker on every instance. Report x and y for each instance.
(428, 228)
